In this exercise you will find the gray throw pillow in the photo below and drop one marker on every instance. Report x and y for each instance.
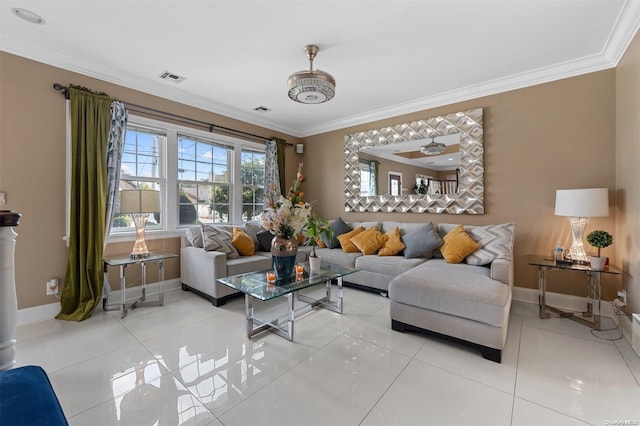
(217, 239)
(252, 229)
(194, 236)
(339, 227)
(421, 242)
(264, 240)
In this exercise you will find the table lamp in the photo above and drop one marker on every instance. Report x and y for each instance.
(580, 205)
(139, 203)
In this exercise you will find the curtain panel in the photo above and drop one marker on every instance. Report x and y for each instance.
(281, 147)
(272, 175)
(373, 181)
(115, 147)
(90, 128)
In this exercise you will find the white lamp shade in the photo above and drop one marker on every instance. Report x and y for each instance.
(590, 202)
(139, 201)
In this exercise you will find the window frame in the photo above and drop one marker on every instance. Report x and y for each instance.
(213, 144)
(160, 180)
(252, 187)
(169, 176)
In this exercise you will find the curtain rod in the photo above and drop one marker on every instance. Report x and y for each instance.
(162, 114)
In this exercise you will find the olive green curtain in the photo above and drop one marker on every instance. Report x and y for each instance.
(90, 122)
(280, 152)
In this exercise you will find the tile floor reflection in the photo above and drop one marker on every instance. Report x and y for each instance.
(189, 363)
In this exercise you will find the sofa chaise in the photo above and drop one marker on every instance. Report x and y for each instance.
(469, 301)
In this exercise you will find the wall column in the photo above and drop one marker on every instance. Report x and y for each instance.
(8, 299)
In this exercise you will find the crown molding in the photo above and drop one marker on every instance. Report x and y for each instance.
(623, 32)
(626, 27)
(60, 60)
(513, 82)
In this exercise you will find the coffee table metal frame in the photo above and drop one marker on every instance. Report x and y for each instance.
(254, 285)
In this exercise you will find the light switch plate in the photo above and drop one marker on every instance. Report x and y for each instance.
(2, 199)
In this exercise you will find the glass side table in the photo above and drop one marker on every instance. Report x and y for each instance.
(123, 261)
(545, 264)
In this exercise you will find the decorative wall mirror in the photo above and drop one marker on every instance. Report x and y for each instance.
(441, 159)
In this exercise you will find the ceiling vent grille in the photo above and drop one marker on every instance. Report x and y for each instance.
(169, 76)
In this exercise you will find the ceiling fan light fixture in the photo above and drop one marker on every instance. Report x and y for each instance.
(313, 86)
(433, 148)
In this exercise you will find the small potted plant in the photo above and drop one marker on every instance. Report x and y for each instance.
(315, 229)
(599, 239)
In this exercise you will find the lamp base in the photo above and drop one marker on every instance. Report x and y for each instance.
(577, 253)
(140, 250)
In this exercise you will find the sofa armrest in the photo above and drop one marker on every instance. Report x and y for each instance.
(502, 270)
(200, 269)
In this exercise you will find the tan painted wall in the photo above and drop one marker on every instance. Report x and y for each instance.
(557, 135)
(627, 236)
(32, 165)
(537, 140)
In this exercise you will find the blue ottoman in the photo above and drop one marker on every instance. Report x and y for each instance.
(27, 398)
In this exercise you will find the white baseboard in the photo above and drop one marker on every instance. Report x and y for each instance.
(573, 303)
(49, 311)
(37, 313)
(562, 301)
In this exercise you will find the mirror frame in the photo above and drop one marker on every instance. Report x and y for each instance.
(470, 196)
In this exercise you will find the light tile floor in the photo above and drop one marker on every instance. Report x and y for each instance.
(189, 363)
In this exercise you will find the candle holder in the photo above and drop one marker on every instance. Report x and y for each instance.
(271, 277)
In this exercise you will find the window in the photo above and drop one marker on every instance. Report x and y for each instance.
(252, 178)
(203, 181)
(365, 179)
(395, 183)
(140, 169)
(202, 177)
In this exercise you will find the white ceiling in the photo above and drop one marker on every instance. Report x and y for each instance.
(388, 57)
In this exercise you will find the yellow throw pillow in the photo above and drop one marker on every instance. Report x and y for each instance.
(458, 245)
(243, 242)
(369, 241)
(393, 245)
(345, 240)
(321, 243)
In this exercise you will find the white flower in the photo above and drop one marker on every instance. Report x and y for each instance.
(282, 216)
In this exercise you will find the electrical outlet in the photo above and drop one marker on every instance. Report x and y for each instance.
(622, 295)
(2, 198)
(52, 286)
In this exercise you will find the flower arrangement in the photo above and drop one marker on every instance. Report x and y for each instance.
(287, 215)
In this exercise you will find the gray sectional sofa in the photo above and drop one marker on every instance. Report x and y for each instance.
(468, 302)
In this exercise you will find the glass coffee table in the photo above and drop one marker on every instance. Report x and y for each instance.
(254, 285)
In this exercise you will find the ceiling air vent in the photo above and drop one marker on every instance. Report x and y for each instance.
(169, 76)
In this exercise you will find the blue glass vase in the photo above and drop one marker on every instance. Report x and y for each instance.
(283, 255)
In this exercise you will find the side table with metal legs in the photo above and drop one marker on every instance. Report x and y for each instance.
(123, 262)
(594, 290)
